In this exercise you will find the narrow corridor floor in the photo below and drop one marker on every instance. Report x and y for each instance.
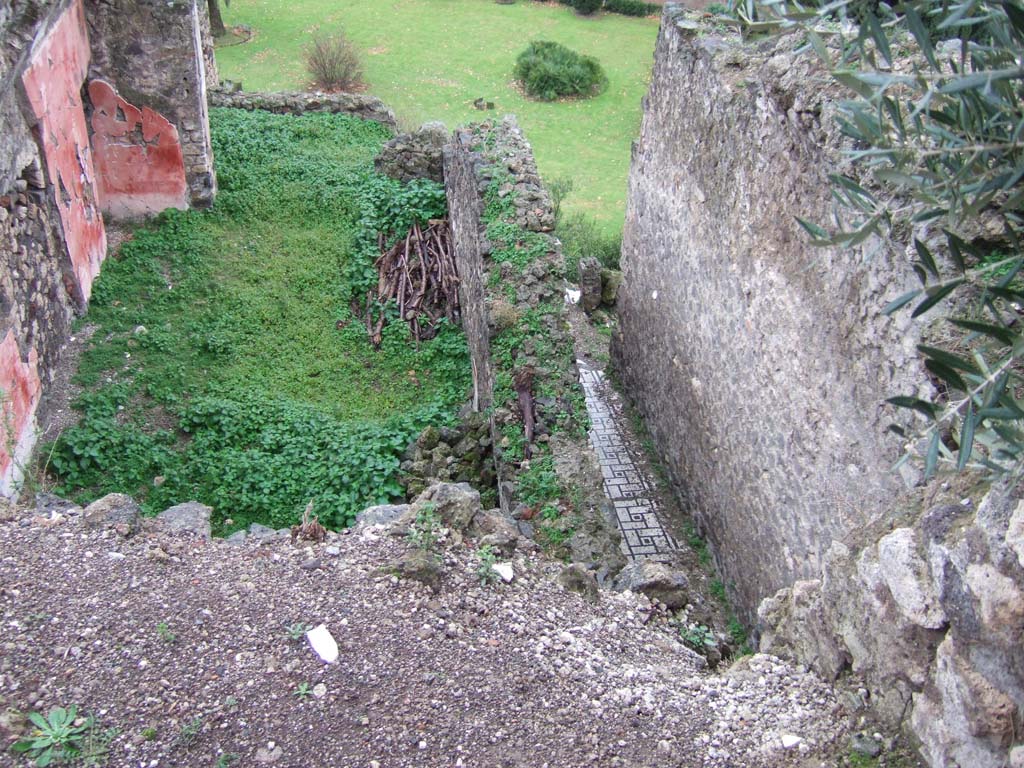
(626, 485)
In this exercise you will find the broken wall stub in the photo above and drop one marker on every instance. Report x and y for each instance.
(929, 617)
(141, 170)
(760, 362)
(151, 52)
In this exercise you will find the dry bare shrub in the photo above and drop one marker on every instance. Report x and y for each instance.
(334, 62)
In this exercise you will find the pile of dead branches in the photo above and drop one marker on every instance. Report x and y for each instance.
(418, 273)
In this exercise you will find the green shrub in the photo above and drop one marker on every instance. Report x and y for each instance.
(549, 70)
(586, 7)
(630, 7)
(581, 236)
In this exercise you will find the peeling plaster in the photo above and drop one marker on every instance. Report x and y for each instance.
(138, 156)
(52, 82)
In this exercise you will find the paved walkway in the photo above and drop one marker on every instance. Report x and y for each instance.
(625, 483)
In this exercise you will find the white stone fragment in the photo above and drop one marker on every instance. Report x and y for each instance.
(790, 740)
(571, 296)
(504, 570)
(323, 643)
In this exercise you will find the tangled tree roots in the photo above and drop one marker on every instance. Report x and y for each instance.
(419, 274)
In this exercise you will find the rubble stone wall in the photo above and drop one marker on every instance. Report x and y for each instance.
(760, 362)
(511, 281)
(299, 102)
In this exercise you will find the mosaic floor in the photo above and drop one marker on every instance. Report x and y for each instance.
(625, 484)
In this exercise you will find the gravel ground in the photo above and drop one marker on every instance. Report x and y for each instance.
(182, 646)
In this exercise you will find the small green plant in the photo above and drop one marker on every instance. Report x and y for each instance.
(487, 558)
(227, 759)
(718, 9)
(149, 734)
(581, 236)
(164, 632)
(717, 590)
(190, 731)
(303, 691)
(559, 189)
(424, 529)
(549, 71)
(698, 637)
(296, 631)
(60, 736)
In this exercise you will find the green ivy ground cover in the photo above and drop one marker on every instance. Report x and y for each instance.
(430, 59)
(227, 366)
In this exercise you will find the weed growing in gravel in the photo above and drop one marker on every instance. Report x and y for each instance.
(423, 532)
(303, 691)
(164, 633)
(698, 637)
(190, 731)
(148, 734)
(296, 631)
(227, 759)
(484, 570)
(64, 737)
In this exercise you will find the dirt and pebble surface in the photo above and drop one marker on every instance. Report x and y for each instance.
(189, 649)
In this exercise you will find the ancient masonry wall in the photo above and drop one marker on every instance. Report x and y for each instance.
(510, 292)
(151, 53)
(761, 365)
(760, 362)
(299, 102)
(63, 161)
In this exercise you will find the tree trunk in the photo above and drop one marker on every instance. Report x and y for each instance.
(216, 22)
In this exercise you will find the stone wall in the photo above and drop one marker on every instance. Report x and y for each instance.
(760, 362)
(58, 167)
(511, 280)
(39, 287)
(152, 53)
(300, 102)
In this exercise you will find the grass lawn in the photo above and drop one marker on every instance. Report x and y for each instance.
(430, 59)
(226, 366)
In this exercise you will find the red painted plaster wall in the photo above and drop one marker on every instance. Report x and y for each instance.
(53, 82)
(138, 156)
(20, 389)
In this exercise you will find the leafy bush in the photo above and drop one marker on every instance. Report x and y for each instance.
(631, 7)
(550, 70)
(586, 7)
(334, 63)
(940, 157)
(581, 236)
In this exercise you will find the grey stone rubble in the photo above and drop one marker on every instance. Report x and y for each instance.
(625, 484)
(516, 674)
